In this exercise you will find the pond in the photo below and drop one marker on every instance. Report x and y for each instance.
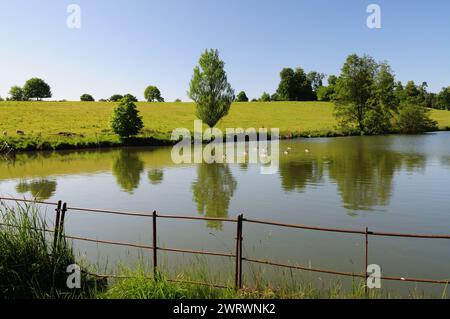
(387, 183)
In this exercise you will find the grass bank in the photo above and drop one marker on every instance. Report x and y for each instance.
(30, 265)
(71, 125)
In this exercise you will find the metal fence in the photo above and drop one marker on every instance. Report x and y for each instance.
(62, 208)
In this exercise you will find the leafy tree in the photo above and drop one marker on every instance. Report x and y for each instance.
(209, 88)
(414, 94)
(265, 97)
(36, 88)
(242, 97)
(287, 89)
(17, 94)
(153, 94)
(177, 101)
(275, 97)
(399, 91)
(304, 91)
(130, 97)
(87, 98)
(316, 80)
(443, 99)
(126, 121)
(294, 86)
(116, 98)
(431, 100)
(325, 93)
(354, 90)
(384, 102)
(414, 119)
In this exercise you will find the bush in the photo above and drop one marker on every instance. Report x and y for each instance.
(87, 98)
(414, 119)
(17, 94)
(265, 97)
(241, 97)
(130, 97)
(116, 98)
(126, 121)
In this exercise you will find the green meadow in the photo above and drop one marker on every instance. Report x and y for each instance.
(59, 125)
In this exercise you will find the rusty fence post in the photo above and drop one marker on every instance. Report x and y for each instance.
(238, 271)
(240, 251)
(155, 248)
(366, 260)
(61, 221)
(56, 230)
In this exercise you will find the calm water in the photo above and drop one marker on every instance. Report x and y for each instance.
(388, 183)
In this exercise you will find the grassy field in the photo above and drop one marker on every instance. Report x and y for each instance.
(88, 122)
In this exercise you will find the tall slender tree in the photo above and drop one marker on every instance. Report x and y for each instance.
(209, 88)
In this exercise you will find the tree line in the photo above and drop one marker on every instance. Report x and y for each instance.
(296, 85)
(367, 98)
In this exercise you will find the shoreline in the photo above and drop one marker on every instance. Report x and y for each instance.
(34, 144)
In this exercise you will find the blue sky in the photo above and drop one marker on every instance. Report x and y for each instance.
(123, 46)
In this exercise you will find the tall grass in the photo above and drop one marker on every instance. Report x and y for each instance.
(29, 266)
(194, 282)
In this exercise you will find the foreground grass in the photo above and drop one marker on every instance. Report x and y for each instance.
(46, 123)
(30, 266)
(187, 285)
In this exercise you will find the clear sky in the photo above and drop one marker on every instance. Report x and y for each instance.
(123, 46)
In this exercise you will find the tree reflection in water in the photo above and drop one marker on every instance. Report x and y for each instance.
(127, 169)
(213, 190)
(42, 189)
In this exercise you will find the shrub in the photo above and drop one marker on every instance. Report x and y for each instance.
(241, 97)
(116, 98)
(130, 97)
(126, 121)
(414, 119)
(265, 97)
(16, 93)
(87, 98)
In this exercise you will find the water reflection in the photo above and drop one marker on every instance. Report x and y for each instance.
(213, 190)
(362, 170)
(155, 176)
(297, 174)
(40, 189)
(127, 169)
